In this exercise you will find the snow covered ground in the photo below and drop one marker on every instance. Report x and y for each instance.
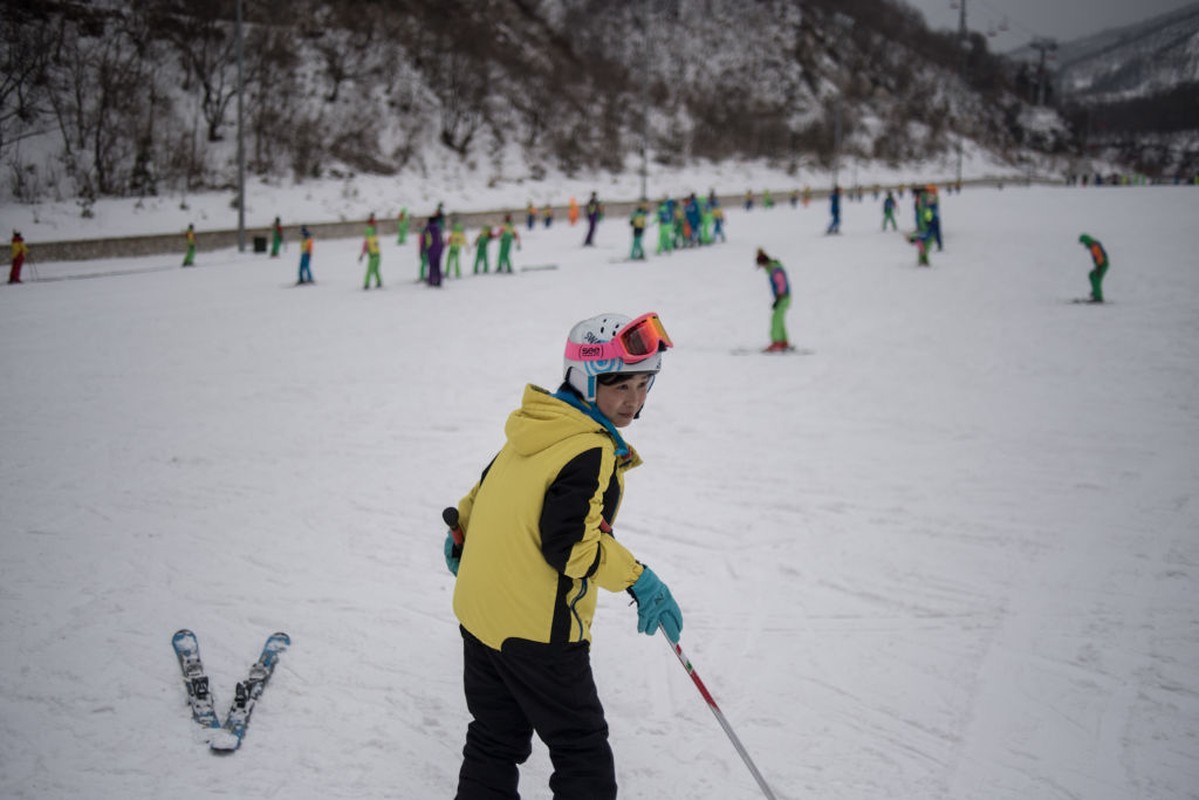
(953, 553)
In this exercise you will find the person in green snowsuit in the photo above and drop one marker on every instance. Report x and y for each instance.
(370, 249)
(481, 257)
(189, 258)
(403, 221)
(705, 222)
(276, 238)
(638, 222)
(1099, 256)
(780, 287)
(665, 227)
(507, 234)
(453, 260)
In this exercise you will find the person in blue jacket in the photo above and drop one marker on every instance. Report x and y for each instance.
(834, 208)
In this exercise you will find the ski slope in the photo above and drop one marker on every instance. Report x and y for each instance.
(951, 553)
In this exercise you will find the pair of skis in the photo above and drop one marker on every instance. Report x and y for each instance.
(225, 737)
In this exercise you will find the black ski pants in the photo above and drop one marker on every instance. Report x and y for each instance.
(526, 687)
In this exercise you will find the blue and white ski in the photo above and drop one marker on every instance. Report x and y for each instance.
(229, 737)
(187, 648)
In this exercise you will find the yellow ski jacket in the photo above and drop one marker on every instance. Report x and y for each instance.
(534, 552)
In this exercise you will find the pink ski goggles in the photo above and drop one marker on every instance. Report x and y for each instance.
(634, 342)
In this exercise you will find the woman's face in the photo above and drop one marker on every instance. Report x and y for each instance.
(621, 401)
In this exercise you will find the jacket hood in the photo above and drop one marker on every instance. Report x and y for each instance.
(543, 421)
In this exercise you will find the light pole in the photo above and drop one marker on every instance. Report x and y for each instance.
(241, 146)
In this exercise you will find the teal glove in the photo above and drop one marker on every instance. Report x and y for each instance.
(453, 554)
(656, 607)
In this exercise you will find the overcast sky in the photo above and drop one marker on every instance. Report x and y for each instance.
(1062, 19)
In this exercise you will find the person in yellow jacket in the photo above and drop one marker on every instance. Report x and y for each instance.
(372, 254)
(19, 251)
(453, 260)
(536, 544)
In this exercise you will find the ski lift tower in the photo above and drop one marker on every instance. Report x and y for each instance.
(845, 23)
(1045, 46)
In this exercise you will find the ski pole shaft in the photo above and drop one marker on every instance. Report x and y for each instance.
(724, 723)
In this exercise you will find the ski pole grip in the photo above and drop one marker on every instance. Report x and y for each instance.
(450, 517)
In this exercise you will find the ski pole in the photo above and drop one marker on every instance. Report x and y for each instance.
(703, 690)
(724, 723)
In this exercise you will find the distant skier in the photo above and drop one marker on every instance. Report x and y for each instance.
(19, 251)
(481, 254)
(372, 254)
(718, 223)
(780, 287)
(933, 219)
(305, 256)
(594, 210)
(189, 257)
(572, 212)
(547, 215)
(638, 222)
(834, 208)
(692, 213)
(432, 244)
(921, 237)
(276, 238)
(453, 259)
(508, 235)
(1099, 257)
(889, 211)
(403, 223)
(665, 227)
(532, 216)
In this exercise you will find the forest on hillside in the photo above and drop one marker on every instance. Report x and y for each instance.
(132, 98)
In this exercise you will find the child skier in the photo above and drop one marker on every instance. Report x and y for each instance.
(921, 237)
(665, 227)
(19, 251)
(276, 238)
(637, 222)
(403, 222)
(780, 287)
(305, 256)
(431, 246)
(834, 208)
(189, 257)
(1099, 256)
(453, 266)
(889, 211)
(537, 543)
(507, 235)
(481, 255)
(370, 250)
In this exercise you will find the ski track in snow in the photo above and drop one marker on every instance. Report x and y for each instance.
(951, 554)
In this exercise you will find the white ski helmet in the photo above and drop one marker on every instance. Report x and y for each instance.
(581, 372)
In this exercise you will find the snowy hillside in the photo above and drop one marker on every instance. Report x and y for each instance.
(951, 554)
(1139, 60)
